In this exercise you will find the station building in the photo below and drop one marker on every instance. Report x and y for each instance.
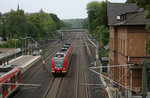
(129, 43)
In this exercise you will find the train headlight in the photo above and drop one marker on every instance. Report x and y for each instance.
(52, 68)
(64, 68)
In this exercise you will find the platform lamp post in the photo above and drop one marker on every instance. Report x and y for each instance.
(28, 43)
(22, 45)
(44, 62)
(15, 46)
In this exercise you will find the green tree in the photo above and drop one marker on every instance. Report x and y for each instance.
(96, 21)
(130, 1)
(40, 25)
(58, 22)
(0, 29)
(85, 23)
(16, 23)
(146, 5)
(75, 23)
(96, 14)
(3, 26)
(102, 33)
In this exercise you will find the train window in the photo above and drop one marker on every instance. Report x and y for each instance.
(3, 88)
(11, 79)
(6, 86)
(58, 63)
(14, 79)
(18, 76)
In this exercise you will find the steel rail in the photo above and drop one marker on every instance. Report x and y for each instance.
(48, 88)
(58, 88)
(85, 75)
(34, 69)
(77, 75)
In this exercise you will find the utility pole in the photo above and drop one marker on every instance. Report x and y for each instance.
(22, 46)
(144, 75)
(28, 43)
(28, 46)
(15, 48)
(44, 58)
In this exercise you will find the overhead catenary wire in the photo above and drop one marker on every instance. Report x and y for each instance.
(20, 84)
(92, 84)
(123, 75)
(113, 81)
(111, 66)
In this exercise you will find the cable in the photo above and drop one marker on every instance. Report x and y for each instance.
(109, 66)
(113, 81)
(20, 84)
(123, 75)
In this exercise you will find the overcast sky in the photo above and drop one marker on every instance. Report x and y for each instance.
(65, 9)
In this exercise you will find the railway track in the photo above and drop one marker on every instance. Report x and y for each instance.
(55, 46)
(77, 73)
(53, 88)
(36, 68)
(81, 76)
(56, 87)
(85, 75)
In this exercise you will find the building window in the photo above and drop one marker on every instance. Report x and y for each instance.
(148, 47)
(124, 46)
(121, 45)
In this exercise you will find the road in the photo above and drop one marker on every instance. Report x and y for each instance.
(79, 82)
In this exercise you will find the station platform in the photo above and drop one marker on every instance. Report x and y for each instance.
(25, 62)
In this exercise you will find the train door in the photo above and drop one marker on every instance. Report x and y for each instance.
(5, 89)
(19, 77)
(13, 80)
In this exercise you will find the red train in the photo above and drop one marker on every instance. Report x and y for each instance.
(60, 63)
(9, 77)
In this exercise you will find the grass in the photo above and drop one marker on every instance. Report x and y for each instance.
(104, 53)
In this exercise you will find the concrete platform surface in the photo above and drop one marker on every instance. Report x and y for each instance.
(2, 50)
(25, 61)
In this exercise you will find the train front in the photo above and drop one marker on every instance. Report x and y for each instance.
(57, 64)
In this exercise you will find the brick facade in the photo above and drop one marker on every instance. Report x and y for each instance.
(127, 45)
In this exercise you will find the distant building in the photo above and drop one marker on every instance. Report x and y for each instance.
(128, 43)
(27, 14)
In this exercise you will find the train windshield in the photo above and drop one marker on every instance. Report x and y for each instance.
(63, 49)
(66, 46)
(58, 63)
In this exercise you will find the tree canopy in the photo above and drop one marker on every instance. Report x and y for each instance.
(146, 5)
(17, 24)
(39, 24)
(85, 23)
(130, 1)
(96, 21)
(75, 23)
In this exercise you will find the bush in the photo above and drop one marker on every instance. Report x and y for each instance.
(11, 44)
(103, 53)
(5, 45)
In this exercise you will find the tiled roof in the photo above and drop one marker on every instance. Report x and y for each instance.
(136, 19)
(116, 9)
